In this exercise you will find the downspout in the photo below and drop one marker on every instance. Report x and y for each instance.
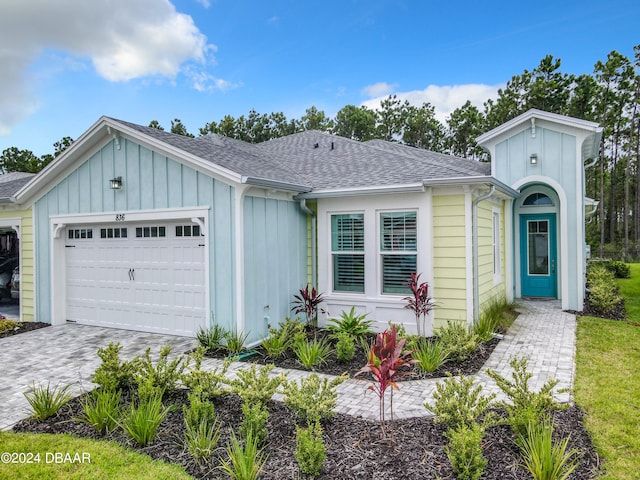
(474, 221)
(308, 211)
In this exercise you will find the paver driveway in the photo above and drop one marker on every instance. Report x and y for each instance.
(64, 354)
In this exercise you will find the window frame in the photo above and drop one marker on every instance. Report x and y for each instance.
(353, 253)
(382, 253)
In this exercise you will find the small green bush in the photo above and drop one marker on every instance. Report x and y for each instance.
(310, 449)
(46, 401)
(101, 410)
(159, 378)
(245, 462)
(465, 451)
(312, 353)
(198, 410)
(202, 439)
(355, 325)
(7, 325)
(544, 458)
(458, 340)
(430, 355)
(313, 399)
(234, 341)
(254, 424)
(618, 268)
(112, 374)
(210, 383)
(293, 330)
(458, 403)
(276, 343)
(211, 339)
(141, 422)
(345, 346)
(603, 299)
(254, 385)
(524, 406)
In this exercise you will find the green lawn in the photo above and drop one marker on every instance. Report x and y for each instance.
(607, 387)
(96, 460)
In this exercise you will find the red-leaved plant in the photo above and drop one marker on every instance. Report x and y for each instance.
(386, 359)
(307, 302)
(420, 302)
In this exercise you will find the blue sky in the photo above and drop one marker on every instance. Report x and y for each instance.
(71, 61)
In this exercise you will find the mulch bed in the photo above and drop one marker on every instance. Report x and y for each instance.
(355, 450)
(24, 327)
(468, 366)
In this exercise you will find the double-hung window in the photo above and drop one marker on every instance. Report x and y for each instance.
(398, 250)
(347, 251)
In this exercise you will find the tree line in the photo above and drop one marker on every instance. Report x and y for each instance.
(610, 96)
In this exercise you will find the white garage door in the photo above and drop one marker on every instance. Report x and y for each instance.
(148, 277)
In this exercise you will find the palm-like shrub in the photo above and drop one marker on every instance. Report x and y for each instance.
(101, 410)
(245, 461)
(141, 422)
(45, 401)
(429, 355)
(312, 353)
(350, 323)
(544, 458)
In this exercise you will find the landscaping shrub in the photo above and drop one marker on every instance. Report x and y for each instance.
(101, 410)
(254, 385)
(276, 343)
(245, 461)
(308, 303)
(459, 404)
(313, 399)
(465, 451)
(524, 406)
(420, 303)
(199, 410)
(429, 355)
(160, 378)
(210, 383)
(202, 439)
(254, 423)
(45, 401)
(618, 268)
(355, 325)
(312, 353)
(141, 421)
(544, 458)
(345, 346)
(234, 342)
(7, 325)
(458, 340)
(211, 338)
(112, 374)
(310, 449)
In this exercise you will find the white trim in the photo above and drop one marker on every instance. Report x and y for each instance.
(496, 237)
(238, 217)
(561, 225)
(509, 257)
(468, 235)
(132, 216)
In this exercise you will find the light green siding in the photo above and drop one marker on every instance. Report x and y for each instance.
(449, 251)
(26, 259)
(487, 286)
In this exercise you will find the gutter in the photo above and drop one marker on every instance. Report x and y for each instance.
(274, 184)
(476, 285)
(314, 220)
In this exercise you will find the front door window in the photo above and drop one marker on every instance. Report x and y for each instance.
(538, 246)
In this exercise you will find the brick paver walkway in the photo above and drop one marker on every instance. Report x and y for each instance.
(66, 354)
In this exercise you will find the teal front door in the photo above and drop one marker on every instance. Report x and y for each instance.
(538, 255)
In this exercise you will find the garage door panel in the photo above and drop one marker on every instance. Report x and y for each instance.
(154, 284)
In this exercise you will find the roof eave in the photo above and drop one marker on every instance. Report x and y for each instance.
(274, 184)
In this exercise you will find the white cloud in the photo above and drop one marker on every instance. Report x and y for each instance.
(123, 40)
(204, 3)
(445, 99)
(379, 89)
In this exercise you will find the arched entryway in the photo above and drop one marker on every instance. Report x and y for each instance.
(536, 221)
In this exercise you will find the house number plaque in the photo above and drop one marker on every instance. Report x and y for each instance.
(119, 217)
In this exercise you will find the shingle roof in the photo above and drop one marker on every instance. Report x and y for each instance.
(10, 183)
(321, 160)
(329, 161)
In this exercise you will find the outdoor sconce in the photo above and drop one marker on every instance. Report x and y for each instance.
(116, 183)
(533, 159)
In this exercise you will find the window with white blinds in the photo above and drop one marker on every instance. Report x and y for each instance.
(347, 249)
(398, 250)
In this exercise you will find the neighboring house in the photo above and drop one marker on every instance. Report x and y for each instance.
(142, 229)
(16, 242)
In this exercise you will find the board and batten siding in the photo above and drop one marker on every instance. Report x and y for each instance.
(275, 262)
(150, 181)
(449, 257)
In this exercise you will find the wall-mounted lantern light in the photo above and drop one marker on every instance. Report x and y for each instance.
(116, 183)
(533, 159)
